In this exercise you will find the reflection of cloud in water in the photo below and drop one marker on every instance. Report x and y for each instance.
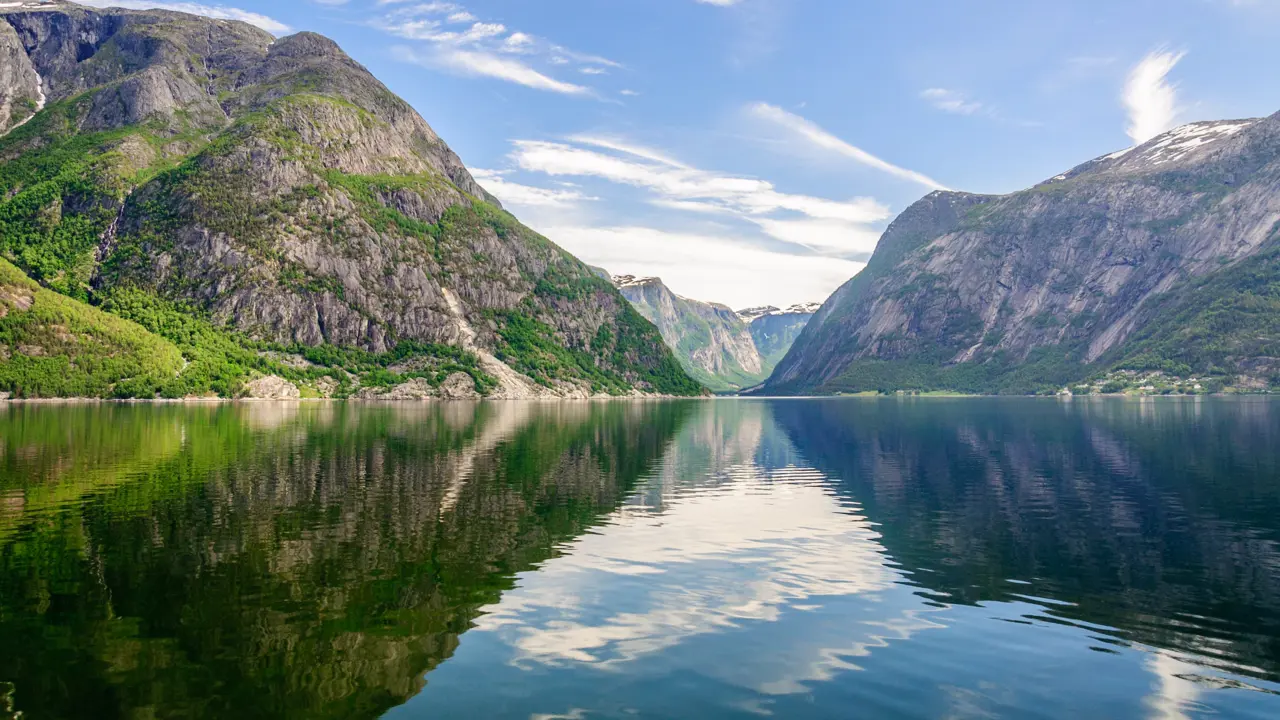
(738, 545)
(1172, 695)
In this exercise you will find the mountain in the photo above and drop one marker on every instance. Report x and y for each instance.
(278, 214)
(774, 331)
(723, 349)
(1163, 257)
(711, 342)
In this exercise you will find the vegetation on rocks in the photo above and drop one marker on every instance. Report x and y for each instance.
(1164, 258)
(267, 207)
(52, 345)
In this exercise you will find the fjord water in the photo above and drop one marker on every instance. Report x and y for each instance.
(801, 558)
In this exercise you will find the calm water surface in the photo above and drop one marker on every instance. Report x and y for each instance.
(802, 559)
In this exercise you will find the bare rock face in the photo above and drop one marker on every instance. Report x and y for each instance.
(279, 190)
(710, 340)
(775, 330)
(21, 94)
(271, 387)
(1109, 263)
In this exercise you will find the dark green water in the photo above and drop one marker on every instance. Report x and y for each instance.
(803, 558)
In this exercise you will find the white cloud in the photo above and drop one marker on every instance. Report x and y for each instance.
(218, 12)
(483, 49)
(628, 93)
(951, 101)
(513, 194)
(721, 3)
(672, 180)
(1151, 101)
(824, 235)
(750, 242)
(815, 135)
(622, 146)
(484, 64)
(705, 266)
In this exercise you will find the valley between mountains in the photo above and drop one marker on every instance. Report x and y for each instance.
(190, 207)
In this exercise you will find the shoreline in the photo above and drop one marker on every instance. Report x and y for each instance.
(629, 398)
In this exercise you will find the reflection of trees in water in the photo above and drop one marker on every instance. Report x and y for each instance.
(1158, 519)
(275, 560)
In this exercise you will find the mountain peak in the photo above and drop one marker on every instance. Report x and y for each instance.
(306, 209)
(629, 281)
(750, 315)
(1184, 145)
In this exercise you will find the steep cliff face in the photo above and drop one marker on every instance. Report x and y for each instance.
(276, 193)
(1155, 257)
(774, 330)
(711, 342)
(21, 93)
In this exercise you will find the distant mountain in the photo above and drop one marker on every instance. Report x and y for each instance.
(723, 349)
(272, 210)
(1161, 257)
(711, 342)
(774, 331)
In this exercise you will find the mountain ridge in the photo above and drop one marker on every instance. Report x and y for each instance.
(724, 349)
(254, 198)
(1046, 286)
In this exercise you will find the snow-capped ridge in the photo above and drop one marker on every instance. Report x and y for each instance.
(625, 281)
(1169, 148)
(750, 315)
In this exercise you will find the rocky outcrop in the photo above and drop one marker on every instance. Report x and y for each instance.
(276, 189)
(21, 94)
(710, 340)
(1158, 256)
(271, 387)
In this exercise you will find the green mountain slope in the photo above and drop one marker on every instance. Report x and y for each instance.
(51, 345)
(273, 209)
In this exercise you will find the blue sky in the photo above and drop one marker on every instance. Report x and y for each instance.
(752, 151)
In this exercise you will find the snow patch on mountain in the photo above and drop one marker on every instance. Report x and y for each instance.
(628, 281)
(750, 315)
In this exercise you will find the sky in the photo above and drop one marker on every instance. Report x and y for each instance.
(751, 152)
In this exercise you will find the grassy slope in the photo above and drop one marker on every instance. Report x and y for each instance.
(54, 346)
(1212, 323)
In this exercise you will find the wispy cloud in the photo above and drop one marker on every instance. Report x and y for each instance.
(841, 228)
(707, 266)
(721, 3)
(745, 196)
(219, 12)
(483, 64)
(520, 195)
(951, 101)
(1150, 99)
(813, 134)
(455, 40)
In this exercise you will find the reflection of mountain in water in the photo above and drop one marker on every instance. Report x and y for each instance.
(1160, 519)
(727, 537)
(275, 561)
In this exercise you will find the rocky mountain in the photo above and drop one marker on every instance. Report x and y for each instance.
(775, 330)
(723, 349)
(711, 342)
(274, 211)
(1161, 257)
